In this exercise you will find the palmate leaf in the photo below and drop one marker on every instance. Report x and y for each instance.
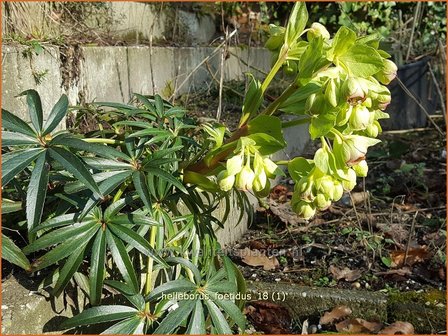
(34, 108)
(97, 267)
(9, 206)
(13, 123)
(132, 219)
(106, 187)
(13, 254)
(37, 192)
(56, 115)
(17, 139)
(70, 267)
(75, 166)
(136, 241)
(175, 318)
(174, 286)
(99, 315)
(231, 309)
(219, 321)
(106, 164)
(141, 186)
(77, 186)
(58, 221)
(79, 144)
(63, 250)
(59, 236)
(132, 325)
(122, 260)
(166, 176)
(197, 321)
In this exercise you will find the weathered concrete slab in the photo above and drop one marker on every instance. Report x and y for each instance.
(20, 74)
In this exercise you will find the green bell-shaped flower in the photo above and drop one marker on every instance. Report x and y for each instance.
(245, 178)
(225, 180)
(360, 118)
(317, 30)
(361, 168)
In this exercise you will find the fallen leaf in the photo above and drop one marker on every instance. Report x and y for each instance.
(415, 255)
(257, 258)
(399, 327)
(269, 317)
(358, 326)
(285, 213)
(336, 314)
(345, 273)
(279, 192)
(400, 272)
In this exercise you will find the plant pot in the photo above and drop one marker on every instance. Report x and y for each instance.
(404, 111)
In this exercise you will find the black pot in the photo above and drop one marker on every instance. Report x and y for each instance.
(404, 111)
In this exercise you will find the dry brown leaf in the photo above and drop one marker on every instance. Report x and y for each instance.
(269, 317)
(415, 255)
(345, 273)
(397, 232)
(258, 258)
(359, 197)
(399, 327)
(336, 314)
(358, 326)
(404, 271)
(285, 213)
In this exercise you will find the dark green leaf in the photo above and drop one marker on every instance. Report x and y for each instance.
(79, 144)
(175, 318)
(70, 267)
(97, 267)
(106, 164)
(219, 321)
(122, 260)
(145, 101)
(222, 287)
(75, 166)
(231, 309)
(125, 327)
(13, 123)
(141, 186)
(136, 241)
(99, 315)
(77, 186)
(9, 206)
(59, 235)
(131, 219)
(186, 263)
(62, 220)
(14, 163)
(175, 286)
(57, 114)
(34, 108)
(197, 322)
(17, 139)
(63, 250)
(13, 254)
(166, 176)
(37, 191)
(113, 209)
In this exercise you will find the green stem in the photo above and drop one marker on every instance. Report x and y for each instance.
(278, 64)
(104, 141)
(148, 283)
(295, 122)
(282, 162)
(272, 108)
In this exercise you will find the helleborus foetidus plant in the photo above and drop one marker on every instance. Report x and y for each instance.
(129, 208)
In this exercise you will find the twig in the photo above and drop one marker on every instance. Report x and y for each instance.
(218, 48)
(414, 25)
(442, 101)
(411, 232)
(422, 129)
(410, 94)
(221, 78)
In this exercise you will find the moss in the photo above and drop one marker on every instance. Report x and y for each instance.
(424, 310)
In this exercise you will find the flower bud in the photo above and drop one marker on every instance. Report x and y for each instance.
(344, 116)
(245, 178)
(234, 164)
(265, 191)
(359, 118)
(350, 183)
(338, 191)
(354, 148)
(387, 73)
(225, 181)
(372, 130)
(317, 30)
(304, 209)
(383, 101)
(353, 90)
(361, 168)
(315, 104)
(270, 168)
(259, 181)
(321, 202)
(326, 186)
(331, 93)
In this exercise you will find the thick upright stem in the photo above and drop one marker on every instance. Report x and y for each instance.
(150, 265)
